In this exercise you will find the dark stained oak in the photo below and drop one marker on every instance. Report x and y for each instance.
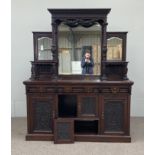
(68, 108)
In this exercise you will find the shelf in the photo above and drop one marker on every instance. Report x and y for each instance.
(67, 106)
(83, 126)
(86, 127)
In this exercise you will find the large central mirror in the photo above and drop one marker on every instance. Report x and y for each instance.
(79, 49)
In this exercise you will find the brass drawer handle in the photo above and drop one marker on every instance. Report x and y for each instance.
(67, 89)
(115, 90)
(88, 90)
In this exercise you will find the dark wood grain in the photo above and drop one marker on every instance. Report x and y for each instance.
(50, 95)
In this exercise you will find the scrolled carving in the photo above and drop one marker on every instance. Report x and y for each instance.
(117, 70)
(76, 22)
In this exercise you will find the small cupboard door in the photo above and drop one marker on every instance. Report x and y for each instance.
(40, 114)
(63, 130)
(114, 115)
(88, 106)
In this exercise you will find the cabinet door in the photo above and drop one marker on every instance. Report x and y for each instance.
(114, 115)
(63, 130)
(40, 114)
(88, 106)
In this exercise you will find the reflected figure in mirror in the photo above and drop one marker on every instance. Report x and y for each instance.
(87, 63)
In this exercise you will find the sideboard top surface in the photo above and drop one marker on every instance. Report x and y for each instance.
(125, 82)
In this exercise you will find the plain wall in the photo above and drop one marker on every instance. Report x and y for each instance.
(32, 15)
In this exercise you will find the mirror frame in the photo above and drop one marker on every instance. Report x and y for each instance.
(83, 17)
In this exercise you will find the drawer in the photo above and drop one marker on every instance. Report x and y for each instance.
(41, 89)
(115, 89)
(33, 89)
(50, 89)
(80, 89)
(75, 89)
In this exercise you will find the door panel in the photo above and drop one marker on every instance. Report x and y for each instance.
(114, 115)
(42, 110)
(88, 106)
(63, 130)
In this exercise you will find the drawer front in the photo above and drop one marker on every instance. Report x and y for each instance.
(41, 89)
(115, 89)
(50, 89)
(33, 89)
(78, 89)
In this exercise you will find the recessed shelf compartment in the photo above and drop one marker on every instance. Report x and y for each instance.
(86, 126)
(67, 105)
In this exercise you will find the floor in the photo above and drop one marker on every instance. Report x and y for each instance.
(22, 147)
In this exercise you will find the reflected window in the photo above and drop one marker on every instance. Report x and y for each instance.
(73, 43)
(44, 48)
(114, 48)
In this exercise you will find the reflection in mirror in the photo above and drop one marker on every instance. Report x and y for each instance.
(73, 45)
(114, 48)
(44, 48)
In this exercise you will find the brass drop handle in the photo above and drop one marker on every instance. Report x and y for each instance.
(115, 90)
(68, 89)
